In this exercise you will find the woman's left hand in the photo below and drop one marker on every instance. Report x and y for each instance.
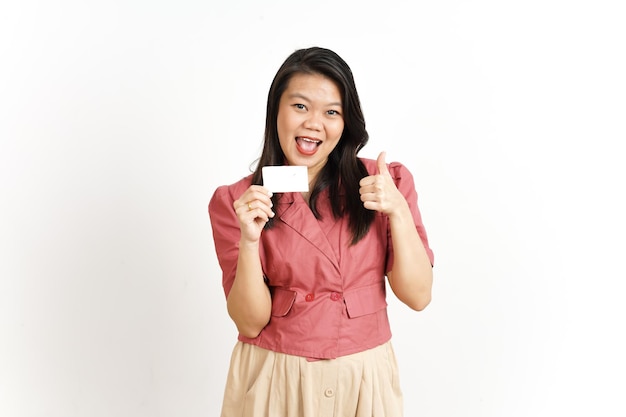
(378, 192)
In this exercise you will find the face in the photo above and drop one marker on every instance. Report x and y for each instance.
(310, 121)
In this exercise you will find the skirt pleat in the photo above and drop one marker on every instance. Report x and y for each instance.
(263, 383)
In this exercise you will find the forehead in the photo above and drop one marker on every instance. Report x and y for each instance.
(313, 86)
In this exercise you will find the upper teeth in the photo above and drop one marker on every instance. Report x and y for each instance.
(309, 140)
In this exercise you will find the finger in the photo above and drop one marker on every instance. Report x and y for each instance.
(382, 166)
(255, 216)
(258, 208)
(371, 205)
(260, 214)
(368, 190)
(367, 181)
(255, 192)
(368, 197)
(262, 190)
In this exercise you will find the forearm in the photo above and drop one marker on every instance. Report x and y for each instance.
(249, 302)
(411, 274)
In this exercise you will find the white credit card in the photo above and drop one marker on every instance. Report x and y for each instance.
(285, 179)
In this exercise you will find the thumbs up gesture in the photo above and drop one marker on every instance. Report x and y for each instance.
(378, 192)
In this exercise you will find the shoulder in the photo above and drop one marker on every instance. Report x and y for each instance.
(229, 193)
(235, 188)
(370, 165)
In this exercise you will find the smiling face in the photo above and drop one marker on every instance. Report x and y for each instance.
(310, 121)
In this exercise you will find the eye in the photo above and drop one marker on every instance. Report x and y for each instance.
(333, 113)
(300, 106)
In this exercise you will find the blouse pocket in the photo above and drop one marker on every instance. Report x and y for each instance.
(282, 301)
(365, 300)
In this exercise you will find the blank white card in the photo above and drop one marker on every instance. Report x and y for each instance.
(285, 179)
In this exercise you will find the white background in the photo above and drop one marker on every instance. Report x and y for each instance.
(118, 120)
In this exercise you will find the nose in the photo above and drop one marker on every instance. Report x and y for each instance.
(313, 122)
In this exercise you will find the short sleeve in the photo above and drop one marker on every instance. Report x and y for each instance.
(403, 179)
(226, 234)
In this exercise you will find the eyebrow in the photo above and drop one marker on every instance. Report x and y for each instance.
(302, 96)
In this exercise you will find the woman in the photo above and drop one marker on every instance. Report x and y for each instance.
(304, 273)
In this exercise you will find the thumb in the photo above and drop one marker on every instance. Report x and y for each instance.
(380, 162)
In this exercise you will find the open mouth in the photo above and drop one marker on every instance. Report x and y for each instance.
(307, 146)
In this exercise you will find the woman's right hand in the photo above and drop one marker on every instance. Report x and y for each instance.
(254, 209)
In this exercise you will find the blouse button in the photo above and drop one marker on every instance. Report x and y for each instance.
(329, 392)
(335, 296)
(309, 297)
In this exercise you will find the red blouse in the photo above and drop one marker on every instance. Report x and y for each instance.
(328, 297)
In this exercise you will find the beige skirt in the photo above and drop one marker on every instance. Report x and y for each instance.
(263, 383)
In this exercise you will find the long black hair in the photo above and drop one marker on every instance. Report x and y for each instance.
(343, 170)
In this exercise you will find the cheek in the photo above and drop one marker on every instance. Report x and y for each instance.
(338, 131)
(281, 140)
(285, 124)
(281, 128)
(284, 140)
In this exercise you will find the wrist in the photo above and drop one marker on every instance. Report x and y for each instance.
(401, 213)
(245, 244)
